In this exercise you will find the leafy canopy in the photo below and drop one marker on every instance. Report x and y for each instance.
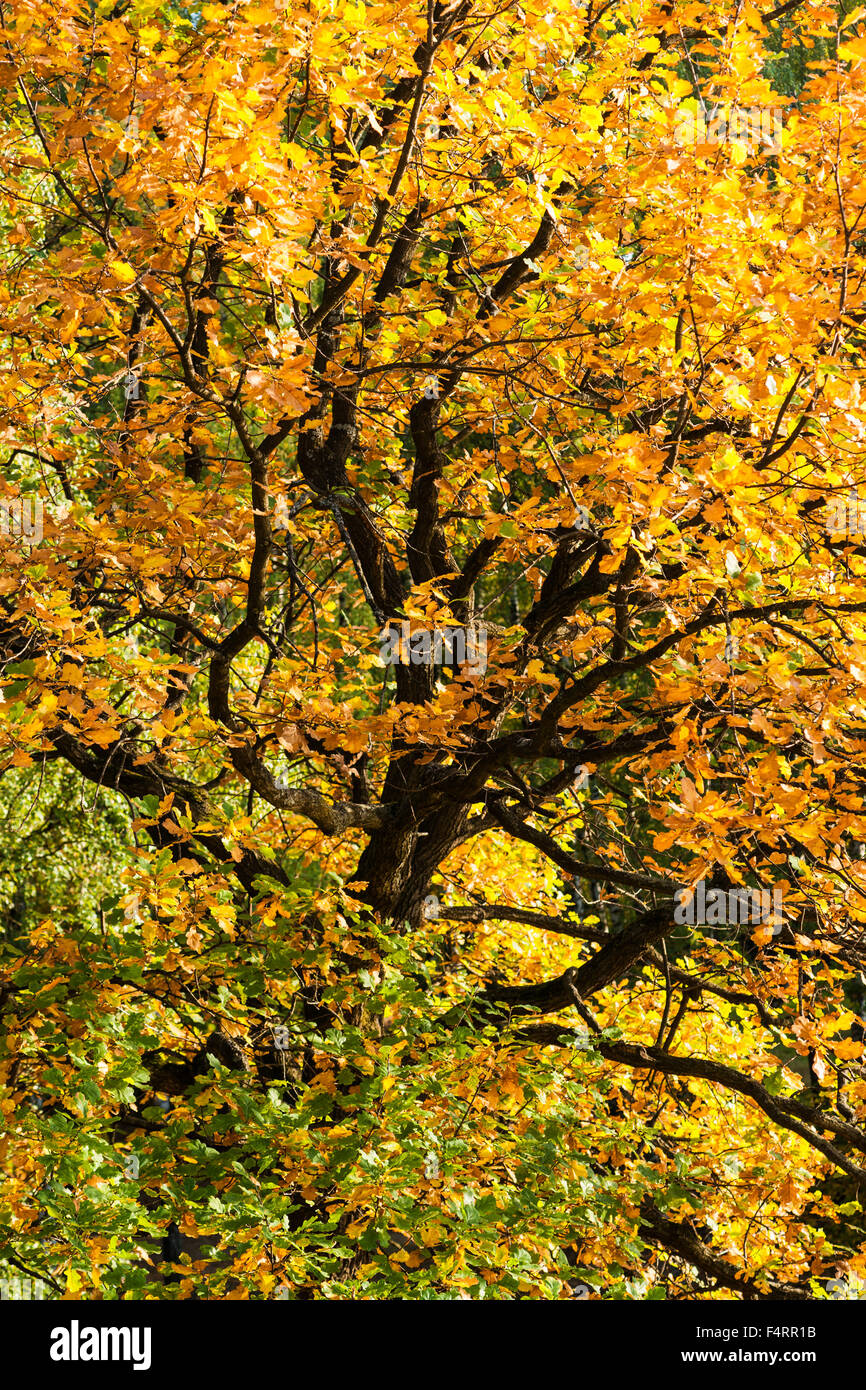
(542, 321)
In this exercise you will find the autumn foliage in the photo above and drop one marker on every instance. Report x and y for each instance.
(543, 321)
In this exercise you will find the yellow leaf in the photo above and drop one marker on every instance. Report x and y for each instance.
(121, 271)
